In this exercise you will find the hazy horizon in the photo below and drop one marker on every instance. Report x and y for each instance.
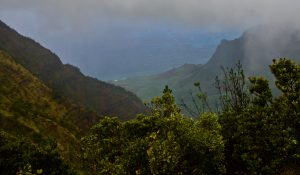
(117, 39)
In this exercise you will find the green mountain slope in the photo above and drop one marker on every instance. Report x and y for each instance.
(28, 108)
(255, 49)
(67, 80)
(147, 87)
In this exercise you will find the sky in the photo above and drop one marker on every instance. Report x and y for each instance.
(114, 39)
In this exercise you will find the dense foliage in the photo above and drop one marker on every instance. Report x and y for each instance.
(165, 142)
(255, 133)
(21, 156)
(263, 136)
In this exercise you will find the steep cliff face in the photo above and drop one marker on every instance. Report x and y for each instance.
(255, 49)
(67, 80)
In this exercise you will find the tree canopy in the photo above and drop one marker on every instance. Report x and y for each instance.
(255, 133)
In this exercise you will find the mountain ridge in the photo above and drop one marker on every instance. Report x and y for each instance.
(255, 49)
(67, 80)
(29, 109)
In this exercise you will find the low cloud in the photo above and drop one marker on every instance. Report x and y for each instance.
(212, 13)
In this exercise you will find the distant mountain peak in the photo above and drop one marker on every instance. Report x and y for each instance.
(255, 49)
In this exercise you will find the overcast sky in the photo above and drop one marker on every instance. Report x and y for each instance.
(61, 14)
(76, 29)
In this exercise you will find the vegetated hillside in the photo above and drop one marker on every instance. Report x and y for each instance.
(29, 109)
(255, 49)
(147, 87)
(67, 80)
